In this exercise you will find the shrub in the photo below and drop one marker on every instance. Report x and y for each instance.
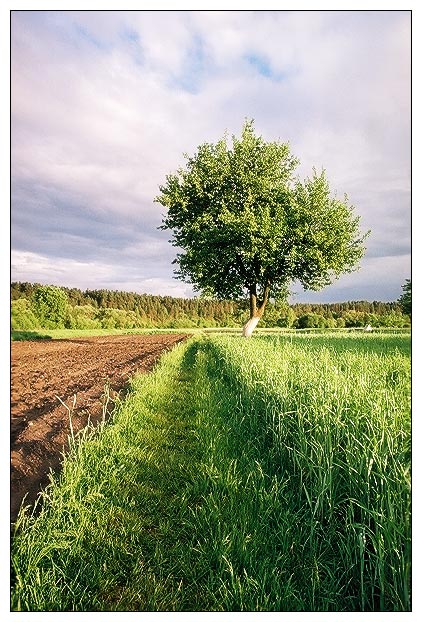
(82, 317)
(117, 318)
(310, 320)
(394, 319)
(50, 306)
(354, 318)
(22, 315)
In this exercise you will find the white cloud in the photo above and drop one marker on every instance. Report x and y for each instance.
(43, 268)
(34, 267)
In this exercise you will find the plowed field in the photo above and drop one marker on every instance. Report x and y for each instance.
(77, 371)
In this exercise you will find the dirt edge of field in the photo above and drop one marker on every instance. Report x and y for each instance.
(52, 377)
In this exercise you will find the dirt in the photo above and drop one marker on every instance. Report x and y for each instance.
(49, 378)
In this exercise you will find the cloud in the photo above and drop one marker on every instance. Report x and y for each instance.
(104, 104)
(95, 274)
(379, 278)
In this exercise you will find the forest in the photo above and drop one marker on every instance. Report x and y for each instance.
(45, 306)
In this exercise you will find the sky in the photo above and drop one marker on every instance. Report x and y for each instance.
(105, 103)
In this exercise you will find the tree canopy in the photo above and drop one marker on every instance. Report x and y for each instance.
(405, 299)
(50, 305)
(247, 227)
(90, 309)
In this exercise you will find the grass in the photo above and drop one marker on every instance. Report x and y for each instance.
(29, 335)
(269, 474)
(74, 333)
(330, 416)
(98, 529)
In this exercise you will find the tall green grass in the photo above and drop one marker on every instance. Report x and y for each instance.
(269, 474)
(329, 418)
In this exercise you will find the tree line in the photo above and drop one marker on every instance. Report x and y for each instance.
(46, 306)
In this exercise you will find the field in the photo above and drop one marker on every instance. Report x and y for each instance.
(46, 376)
(270, 474)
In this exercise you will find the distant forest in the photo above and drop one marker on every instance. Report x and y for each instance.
(102, 308)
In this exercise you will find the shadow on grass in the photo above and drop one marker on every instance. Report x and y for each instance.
(27, 335)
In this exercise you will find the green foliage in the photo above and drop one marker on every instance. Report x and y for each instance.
(117, 318)
(405, 299)
(27, 335)
(393, 319)
(22, 315)
(131, 310)
(278, 314)
(50, 306)
(246, 227)
(82, 316)
(22, 290)
(310, 320)
(354, 318)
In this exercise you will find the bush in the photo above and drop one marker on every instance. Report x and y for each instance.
(330, 322)
(310, 320)
(82, 317)
(22, 315)
(50, 306)
(353, 319)
(117, 318)
(286, 319)
(394, 319)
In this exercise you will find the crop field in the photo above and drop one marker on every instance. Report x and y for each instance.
(269, 474)
(52, 377)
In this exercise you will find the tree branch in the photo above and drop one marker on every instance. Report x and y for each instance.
(266, 294)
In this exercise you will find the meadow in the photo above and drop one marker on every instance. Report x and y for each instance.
(270, 474)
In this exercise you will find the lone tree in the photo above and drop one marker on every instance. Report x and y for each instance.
(249, 229)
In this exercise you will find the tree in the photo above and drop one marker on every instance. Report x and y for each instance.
(311, 320)
(247, 228)
(50, 306)
(405, 300)
(22, 315)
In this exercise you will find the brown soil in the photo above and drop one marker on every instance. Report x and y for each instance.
(77, 371)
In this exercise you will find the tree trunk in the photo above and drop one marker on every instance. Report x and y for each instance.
(250, 326)
(256, 310)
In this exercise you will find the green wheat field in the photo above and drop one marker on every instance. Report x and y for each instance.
(269, 474)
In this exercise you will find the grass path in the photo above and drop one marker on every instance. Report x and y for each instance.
(134, 523)
(106, 538)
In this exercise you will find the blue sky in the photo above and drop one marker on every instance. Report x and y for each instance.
(105, 103)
